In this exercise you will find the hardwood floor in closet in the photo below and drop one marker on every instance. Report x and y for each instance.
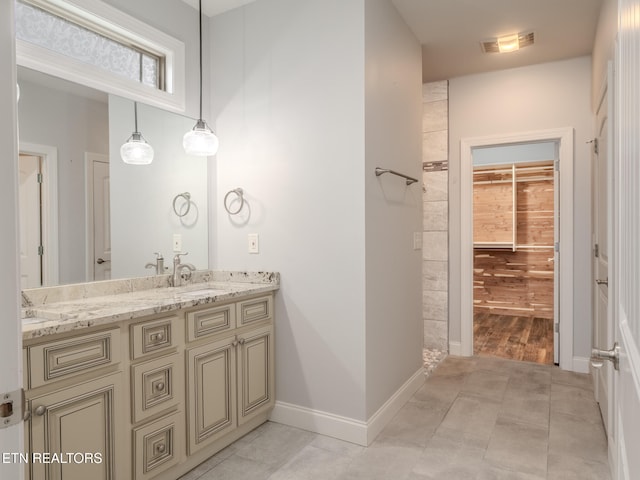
(528, 339)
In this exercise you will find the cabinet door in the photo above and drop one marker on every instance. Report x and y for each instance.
(211, 374)
(78, 428)
(255, 373)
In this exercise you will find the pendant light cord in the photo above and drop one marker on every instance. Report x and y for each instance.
(135, 116)
(200, 13)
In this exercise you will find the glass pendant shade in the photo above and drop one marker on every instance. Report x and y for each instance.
(136, 150)
(200, 140)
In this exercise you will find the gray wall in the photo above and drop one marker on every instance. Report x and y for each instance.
(74, 125)
(295, 114)
(393, 210)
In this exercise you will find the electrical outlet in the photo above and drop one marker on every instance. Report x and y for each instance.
(254, 245)
(177, 242)
(417, 240)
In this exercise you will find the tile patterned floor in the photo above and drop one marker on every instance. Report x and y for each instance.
(475, 418)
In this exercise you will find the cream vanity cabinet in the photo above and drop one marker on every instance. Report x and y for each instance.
(154, 396)
(75, 404)
(230, 364)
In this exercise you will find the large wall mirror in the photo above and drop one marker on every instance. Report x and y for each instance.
(84, 214)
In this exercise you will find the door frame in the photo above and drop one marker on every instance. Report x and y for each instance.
(565, 139)
(89, 159)
(50, 243)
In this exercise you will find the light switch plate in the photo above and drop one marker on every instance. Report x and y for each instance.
(254, 243)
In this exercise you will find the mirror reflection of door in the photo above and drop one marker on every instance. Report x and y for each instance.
(30, 168)
(99, 215)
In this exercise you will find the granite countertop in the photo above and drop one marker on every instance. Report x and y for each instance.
(55, 310)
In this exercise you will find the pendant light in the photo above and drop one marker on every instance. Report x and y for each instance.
(200, 140)
(136, 150)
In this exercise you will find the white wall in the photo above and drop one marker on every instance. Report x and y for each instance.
(11, 339)
(538, 97)
(74, 125)
(288, 93)
(603, 47)
(142, 216)
(393, 210)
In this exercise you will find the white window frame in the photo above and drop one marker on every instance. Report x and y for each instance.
(123, 26)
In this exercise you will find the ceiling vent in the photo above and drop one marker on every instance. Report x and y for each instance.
(492, 45)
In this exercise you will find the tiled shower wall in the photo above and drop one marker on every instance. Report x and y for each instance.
(435, 263)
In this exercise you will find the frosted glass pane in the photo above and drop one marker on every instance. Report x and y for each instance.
(44, 29)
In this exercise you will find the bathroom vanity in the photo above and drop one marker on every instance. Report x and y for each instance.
(135, 379)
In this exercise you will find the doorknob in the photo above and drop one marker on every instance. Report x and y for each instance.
(100, 261)
(598, 356)
(603, 282)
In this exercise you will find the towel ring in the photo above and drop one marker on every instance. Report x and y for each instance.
(187, 198)
(239, 195)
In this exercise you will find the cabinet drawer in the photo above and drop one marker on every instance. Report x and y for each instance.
(210, 321)
(72, 356)
(255, 310)
(153, 336)
(158, 446)
(155, 386)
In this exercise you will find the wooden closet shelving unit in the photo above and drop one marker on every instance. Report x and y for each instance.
(513, 225)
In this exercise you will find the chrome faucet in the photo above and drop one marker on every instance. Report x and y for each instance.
(159, 265)
(178, 267)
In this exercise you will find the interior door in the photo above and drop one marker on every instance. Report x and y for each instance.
(603, 334)
(626, 231)
(30, 221)
(101, 218)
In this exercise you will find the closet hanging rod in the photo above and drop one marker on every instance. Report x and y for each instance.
(381, 171)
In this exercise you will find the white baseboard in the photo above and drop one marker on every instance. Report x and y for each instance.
(581, 364)
(455, 348)
(387, 411)
(344, 428)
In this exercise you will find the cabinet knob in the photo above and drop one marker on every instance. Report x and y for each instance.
(158, 337)
(159, 386)
(241, 341)
(40, 410)
(234, 343)
(160, 448)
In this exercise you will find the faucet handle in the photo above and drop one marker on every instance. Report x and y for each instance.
(158, 256)
(178, 255)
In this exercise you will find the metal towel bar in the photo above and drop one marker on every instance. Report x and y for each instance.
(380, 171)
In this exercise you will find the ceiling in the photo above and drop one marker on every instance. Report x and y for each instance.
(450, 32)
(216, 7)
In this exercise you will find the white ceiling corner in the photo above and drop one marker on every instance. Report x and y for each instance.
(211, 8)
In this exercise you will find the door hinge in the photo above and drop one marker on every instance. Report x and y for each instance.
(556, 165)
(556, 327)
(12, 407)
(40, 250)
(596, 251)
(556, 246)
(39, 178)
(595, 146)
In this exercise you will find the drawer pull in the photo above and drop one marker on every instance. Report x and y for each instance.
(159, 386)
(40, 410)
(158, 337)
(160, 448)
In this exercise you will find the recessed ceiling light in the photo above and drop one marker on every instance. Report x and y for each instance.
(508, 43)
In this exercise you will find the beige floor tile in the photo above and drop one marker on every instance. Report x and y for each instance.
(519, 447)
(567, 467)
(313, 463)
(575, 401)
(573, 436)
(481, 383)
